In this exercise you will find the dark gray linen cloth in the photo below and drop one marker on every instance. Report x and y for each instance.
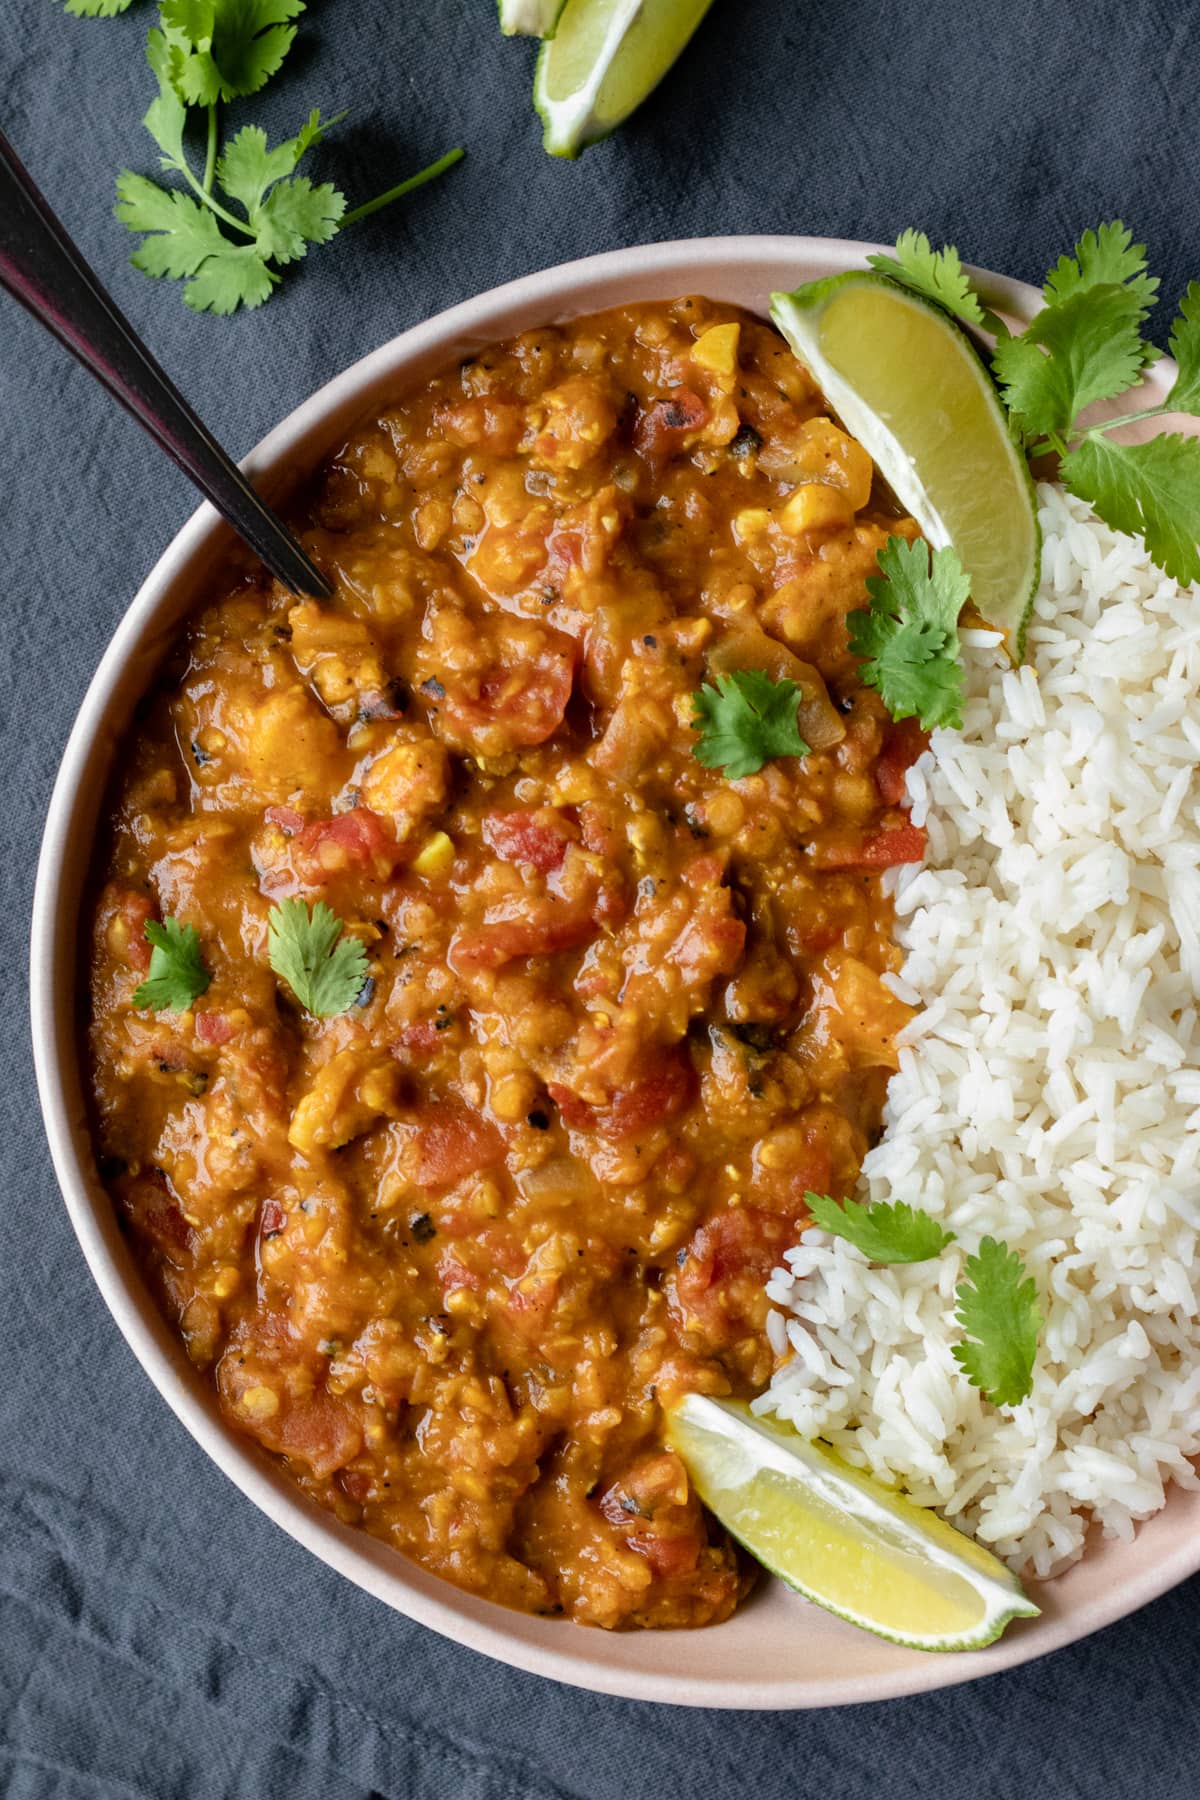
(159, 1638)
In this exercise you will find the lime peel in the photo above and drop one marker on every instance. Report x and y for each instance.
(604, 58)
(840, 1539)
(907, 382)
(530, 18)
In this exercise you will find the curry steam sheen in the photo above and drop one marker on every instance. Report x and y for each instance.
(450, 1253)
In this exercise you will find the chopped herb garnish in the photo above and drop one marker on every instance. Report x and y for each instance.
(744, 719)
(177, 975)
(1087, 345)
(887, 1232)
(324, 968)
(229, 250)
(999, 1312)
(937, 274)
(909, 634)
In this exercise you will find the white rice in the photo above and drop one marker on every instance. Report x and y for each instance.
(1049, 1093)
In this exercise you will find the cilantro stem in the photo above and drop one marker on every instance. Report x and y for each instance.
(404, 187)
(210, 155)
(1058, 442)
(1133, 418)
(213, 205)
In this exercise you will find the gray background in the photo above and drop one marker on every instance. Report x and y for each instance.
(158, 1637)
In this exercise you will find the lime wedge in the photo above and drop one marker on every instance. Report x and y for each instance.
(603, 60)
(839, 1538)
(529, 18)
(908, 384)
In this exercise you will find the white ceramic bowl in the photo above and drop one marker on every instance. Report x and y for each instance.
(777, 1651)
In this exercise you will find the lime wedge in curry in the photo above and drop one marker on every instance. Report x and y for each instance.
(529, 18)
(910, 387)
(840, 1539)
(603, 60)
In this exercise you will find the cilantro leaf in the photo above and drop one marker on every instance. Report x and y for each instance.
(185, 242)
(177, 975)
(1151, 490)
(324, 969)
(167, 116)
(1082, 349)
(886, 1232)
(234, 276)
(185, 233)
(247, 168)
(227, 48)
(937, 274)
(909, 634)
(999, 1312)
(744, 720)
(1102, 257)
(296, 214)
(1185, 348)
(285, 213)
(97, 9)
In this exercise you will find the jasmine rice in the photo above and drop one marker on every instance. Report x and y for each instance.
(1049, 1091)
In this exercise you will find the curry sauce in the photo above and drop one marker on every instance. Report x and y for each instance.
(451, 1252)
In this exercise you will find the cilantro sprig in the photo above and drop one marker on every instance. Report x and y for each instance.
(996, 1301)
(887, 1232)
(938, 275)
(177, 975)
(909, 633)
(744, 719)
(247, 214)
(97, 9)
(324, 968)
(1087, 345)
(999, 1312)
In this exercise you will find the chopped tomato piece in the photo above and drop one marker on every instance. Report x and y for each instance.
(663, 428)
(122, 919)
(272, 1219)
(712, 941)
(600, 828)
(564, 917)
(320, 1432)
(491, 421)
(518, 700)
(539, 930)
(452, 1273)
(879, 850)
(287, 818)
(659, 1096)
(667, 1556)
(421, 1036)
(539, 838)
(653, 1506)
(153, 1210)
(213, 1028)
(905, 744)
(355, 841)
(719, 1281)
(452, 1141)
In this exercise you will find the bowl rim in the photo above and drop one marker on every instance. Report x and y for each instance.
(563, 291)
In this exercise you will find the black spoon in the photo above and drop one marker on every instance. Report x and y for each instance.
(41, 267)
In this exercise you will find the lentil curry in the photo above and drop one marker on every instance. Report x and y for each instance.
(450, 1252)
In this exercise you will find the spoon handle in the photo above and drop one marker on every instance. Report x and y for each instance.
(41, 267)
